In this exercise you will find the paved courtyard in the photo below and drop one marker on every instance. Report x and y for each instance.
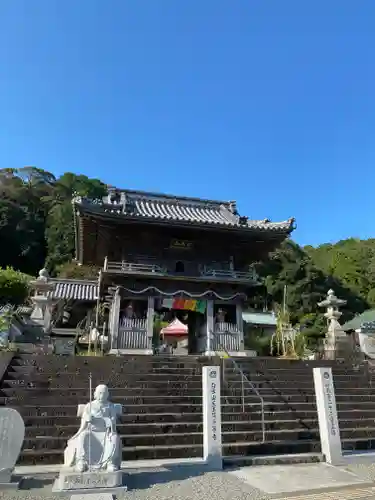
(297, 482)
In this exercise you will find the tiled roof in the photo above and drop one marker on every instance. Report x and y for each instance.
(8, 308)
(75, 289)
(256, 318)
(357, 321)
(150, 206)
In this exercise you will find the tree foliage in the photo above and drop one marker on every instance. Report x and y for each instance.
(294, 269)
(14, 286)
(36, 218)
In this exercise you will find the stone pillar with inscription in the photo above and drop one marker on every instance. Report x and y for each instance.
(327, 415)
(12, 433)
(337, 345)
(212, 446)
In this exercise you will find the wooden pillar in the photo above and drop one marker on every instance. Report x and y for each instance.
(150, 321)
(114, 319)
(209, 327)
(240, 326)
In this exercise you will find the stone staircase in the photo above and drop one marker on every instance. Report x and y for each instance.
(291, 421)
(162, 405)
(161, 398)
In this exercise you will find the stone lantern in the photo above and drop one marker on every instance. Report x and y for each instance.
(336, 344)
(42, 300)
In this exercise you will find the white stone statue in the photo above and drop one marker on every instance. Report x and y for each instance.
(96, 445)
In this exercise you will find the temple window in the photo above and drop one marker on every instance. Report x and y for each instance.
(180, 267)
(225, 313)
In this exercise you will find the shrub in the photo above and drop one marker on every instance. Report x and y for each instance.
(14, 286)
(73, 271)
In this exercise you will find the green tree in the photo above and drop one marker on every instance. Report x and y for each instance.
(59, 226)
(22, 216)
(291, 267)
(14, 286)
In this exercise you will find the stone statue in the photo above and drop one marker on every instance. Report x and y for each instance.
(96, 445)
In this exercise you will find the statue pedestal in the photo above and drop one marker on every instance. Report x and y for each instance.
(93, 496)
(96, 484)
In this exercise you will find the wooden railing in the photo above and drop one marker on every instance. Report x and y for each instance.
(230, 274)
(133, 324)
(155, 269)
(230, 341)
(132, 339)
(132, 334)
(131, 267)
(226, 327)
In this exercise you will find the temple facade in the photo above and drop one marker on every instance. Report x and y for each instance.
(164, 257)
(182, 266)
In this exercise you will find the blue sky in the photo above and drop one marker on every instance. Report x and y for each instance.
(269, 102)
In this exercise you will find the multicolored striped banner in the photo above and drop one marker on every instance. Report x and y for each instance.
(185, 304)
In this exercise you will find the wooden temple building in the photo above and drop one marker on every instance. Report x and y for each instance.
(164, 258)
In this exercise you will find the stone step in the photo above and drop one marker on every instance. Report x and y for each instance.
(83, 393)
(106, 371)
(144, 396)
(298, 368)
(246, 449)
(287, 459)
(292, 390)
(286, 375)
(285, 447)
(70, 409)
(57, 384)
(251, 397)
(81, 362)
(71, 400)
(60, 427)
(138, 419)
(232, 437)
(302, 384)
(23, 387)
(277, 364)
(115, 359)
(16, 372)
(129, 429)
(44, 457)
(139, 409)
(149, 440)
(300, 434)
(112, 380)
(107, 368)
(47, 416)
(274, 364)
(297, 406)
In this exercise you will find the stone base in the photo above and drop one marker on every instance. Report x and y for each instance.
(69, 481)
(93, 496)
(232, 354)
(7, 481)
(240, 354)
(119, 352)
(10, 486)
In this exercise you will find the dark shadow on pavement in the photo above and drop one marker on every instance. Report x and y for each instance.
(32, 483)
(143, 479)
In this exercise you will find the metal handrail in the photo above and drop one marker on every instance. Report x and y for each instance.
(248, 381)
